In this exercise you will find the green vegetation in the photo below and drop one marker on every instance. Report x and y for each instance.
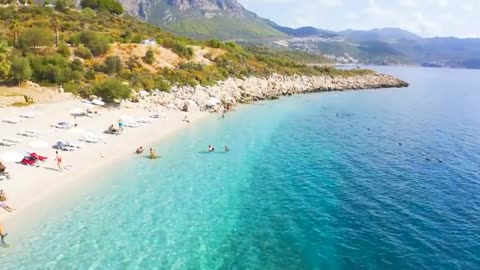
(112, 6)
(53, 47)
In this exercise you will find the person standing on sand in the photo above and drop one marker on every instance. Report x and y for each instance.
(3, 234)
(58, 158)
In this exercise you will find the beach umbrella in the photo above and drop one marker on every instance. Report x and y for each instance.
(39, 144)
(11, 157)
(143, 93)
(213, 101)
(77, 111)
(98, 102)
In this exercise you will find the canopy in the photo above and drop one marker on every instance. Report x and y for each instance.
(11, 157)
(38, 144)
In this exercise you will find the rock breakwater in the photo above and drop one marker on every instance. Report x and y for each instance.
(232, 90)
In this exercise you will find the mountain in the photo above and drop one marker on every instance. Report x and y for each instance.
(389, 35)
(307, 31)
(203, 19)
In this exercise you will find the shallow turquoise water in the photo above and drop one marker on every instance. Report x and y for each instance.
(301, 189)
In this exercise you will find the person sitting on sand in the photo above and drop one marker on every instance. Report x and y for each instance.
(113, 130)
(3, 202)
(140, 150)
(3, 170)
(227, 148)
(186, 119)
(153, 153)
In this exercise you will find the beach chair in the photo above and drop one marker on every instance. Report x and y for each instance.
(13, 140)
(62, 125)
(28, 115)
(13, 120)
(72, 145)
(6, 143)
(27, 133)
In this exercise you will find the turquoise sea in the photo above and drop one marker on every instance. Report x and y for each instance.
(300, 189)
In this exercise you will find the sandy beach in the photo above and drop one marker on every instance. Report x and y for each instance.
(31, 185)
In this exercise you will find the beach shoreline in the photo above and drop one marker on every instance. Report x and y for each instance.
(34, 187)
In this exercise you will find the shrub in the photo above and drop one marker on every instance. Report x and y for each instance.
(112, 6)
(113, 65)
(84, 52)
(21, 70)
(64, 5)
(34, 37)
(72, 87)
(96, 42)
(111, 89)
(77, 65)
(162, 85)
(64, 50)
(149, 57)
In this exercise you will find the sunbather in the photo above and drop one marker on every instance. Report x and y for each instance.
(3, 202)
(139, 150)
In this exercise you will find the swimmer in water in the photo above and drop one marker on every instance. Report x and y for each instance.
(227, 148)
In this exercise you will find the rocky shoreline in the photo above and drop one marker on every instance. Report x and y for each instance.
(233, 91)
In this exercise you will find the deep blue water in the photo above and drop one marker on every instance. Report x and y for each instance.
(301, 189)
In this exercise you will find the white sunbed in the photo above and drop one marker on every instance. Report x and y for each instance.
(133, 124)
(28, 115)
(6, 143)
(12, 140)
(13, 120)
(145, 121)
(27, 133)
(88, 139)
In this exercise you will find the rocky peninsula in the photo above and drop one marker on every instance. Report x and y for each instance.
(233, 90)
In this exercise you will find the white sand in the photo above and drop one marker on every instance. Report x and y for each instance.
(31, 185)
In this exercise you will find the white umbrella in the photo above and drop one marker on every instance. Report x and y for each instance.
(11, 157)
(77, 111)
(126, 118)
(143, 93)
(38, 144)
(98, 102)
(213, 101)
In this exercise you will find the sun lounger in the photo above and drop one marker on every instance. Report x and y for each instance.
(89, 139)
(61, 146)
(133, 124)
(37, 156)
(62, 125)
(28, 115)
(13, 120)
(73, 145)
(12, 140)
(25, 133)
(6, 143)
(145, 121)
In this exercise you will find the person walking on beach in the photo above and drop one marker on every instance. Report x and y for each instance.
(58, 158)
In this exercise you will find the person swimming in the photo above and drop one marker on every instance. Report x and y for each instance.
(211, 148)
(227, 148)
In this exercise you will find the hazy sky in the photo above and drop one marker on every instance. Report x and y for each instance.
(425, 17)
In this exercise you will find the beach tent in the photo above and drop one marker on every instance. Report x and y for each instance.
(11, 157)
(38, 144)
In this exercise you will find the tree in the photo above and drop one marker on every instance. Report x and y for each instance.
(15, 28)
(64, 5)
(5, 64)
(111, 89)
(149, 57)
(113, 65)
(34, 37)
(56, 24)
(64, 50)
(96, 42)
(112, 6)
(21, 70)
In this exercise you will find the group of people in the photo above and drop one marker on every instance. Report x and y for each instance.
(153, 152)
(212, 148)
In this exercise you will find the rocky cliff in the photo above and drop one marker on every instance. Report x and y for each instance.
(252, 89)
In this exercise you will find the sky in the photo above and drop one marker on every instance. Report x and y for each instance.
(427, 18)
